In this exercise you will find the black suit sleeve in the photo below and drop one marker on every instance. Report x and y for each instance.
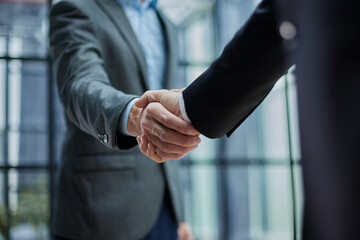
(237, 82)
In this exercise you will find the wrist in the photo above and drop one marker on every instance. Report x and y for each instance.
(133, 123)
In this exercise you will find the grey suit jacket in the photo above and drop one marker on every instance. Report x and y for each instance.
(107, 188)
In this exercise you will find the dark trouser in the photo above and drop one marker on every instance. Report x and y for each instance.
(165, 227)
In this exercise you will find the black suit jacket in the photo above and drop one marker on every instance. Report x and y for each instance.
(327, 70)
(236, 83)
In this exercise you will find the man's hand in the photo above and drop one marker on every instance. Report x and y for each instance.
(168, 98)
(184, 232)
(133, 123)
(164, 136)
(173, 139)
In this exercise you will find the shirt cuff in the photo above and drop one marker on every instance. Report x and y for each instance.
(183, 109)
(122, 128)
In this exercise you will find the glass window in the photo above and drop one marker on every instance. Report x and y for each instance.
(2, 110)
(24, 120)
(28, 91)
(193, 72)
(2, 94)
(2, 43)
(278, 202)
(204, 202)
(259, 204)
(28, 119)
(293, 116)
(273, 125)
(24, 25)
(245, 144)
(3, 215)
(2, 153)
(199, 40)
(236, 198)
(29, 204)
(299, 198)
(27, 148)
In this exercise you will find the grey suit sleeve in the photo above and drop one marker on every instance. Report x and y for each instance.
(90, 102)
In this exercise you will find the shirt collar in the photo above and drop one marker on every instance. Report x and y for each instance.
(135, 4)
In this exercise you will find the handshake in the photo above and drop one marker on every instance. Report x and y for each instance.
(161, 131)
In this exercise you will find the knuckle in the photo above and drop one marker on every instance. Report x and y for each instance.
(155, 130)
(147, 93)
(162, 136)
(165, 119)
(189, 130)
(147, 110)
(153, 106)
(145, 125)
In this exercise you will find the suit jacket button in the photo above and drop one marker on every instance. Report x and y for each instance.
(287, 30)
(105, 139)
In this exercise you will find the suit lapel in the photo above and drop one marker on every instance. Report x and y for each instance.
(113, 9)
(169, 37)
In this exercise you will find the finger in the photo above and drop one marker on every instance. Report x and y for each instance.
(150, 96)
(164, 156)
(170, 136)
(169, 120)
(157, 154)
(142, 144)
(153, 154)
(168, 147)
(148, 149)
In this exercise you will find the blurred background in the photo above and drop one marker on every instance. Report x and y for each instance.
(247, 187)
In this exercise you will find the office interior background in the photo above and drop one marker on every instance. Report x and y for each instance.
(246, 187)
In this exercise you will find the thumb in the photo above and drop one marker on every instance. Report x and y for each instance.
(171, 102)
(177, 90)
(150, 96)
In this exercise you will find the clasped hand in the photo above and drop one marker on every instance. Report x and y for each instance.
(162, 132)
